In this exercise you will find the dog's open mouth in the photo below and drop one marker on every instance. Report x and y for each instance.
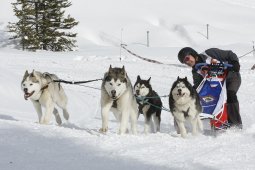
(114, 98)
(27, 95)
(180, 94)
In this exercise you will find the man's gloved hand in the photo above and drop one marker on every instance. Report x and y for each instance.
(214, 61)
(236, 66)
(204, 70)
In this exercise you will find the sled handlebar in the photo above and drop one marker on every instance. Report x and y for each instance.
(212, 70)
(217, 65)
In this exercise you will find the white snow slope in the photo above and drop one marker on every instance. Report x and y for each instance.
(77, 145)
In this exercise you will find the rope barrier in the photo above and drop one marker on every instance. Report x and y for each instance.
(157, 62)
(146, 59)
(247, 53)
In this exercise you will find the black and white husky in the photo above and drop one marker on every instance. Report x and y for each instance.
(185, 105)
(149, 104)
(117, 96)
(43, 92)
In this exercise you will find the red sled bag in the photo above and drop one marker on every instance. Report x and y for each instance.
(213, 94)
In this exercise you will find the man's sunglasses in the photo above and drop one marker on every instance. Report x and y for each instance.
(186, 59)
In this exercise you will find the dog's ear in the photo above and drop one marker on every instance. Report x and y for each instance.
(123, 68)
(149, 80)
(138, 78)
(32, 74)
(123, 72)
(25, 75)
(186, 79)
(178, 78)
(110, 68)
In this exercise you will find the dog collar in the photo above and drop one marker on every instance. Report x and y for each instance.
(45, 87)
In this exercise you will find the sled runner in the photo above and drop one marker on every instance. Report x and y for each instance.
(213, 95)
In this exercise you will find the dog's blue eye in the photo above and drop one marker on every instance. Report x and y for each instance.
(23, 84)
(31, 84)
(111, 84)
(118, 84)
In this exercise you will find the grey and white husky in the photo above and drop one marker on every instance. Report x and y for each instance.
(149, 104)
(185, 105)
(42, 91)
(117, 96)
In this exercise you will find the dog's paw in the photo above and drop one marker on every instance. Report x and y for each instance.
(176, 135)
(184, 136)
(44, 122)
(195, 133)
(103, 130)
(134, 132)
(122, 132)
(146, 132)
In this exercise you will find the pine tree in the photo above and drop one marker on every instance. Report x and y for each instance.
(42, 25)
(24, 28)
(58, 39)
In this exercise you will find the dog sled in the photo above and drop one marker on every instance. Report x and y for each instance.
(213, 95)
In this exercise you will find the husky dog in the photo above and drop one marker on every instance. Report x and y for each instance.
(42, 91)
(117, 96)
(149, 104)
(185, 105)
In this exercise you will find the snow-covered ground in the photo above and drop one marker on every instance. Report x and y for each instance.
(25, 144)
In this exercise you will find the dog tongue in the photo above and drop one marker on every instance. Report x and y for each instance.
(26, 96)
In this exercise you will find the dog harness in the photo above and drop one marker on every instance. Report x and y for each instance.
(45, 87)
(42, 89)
(114, 104)
(186, 114)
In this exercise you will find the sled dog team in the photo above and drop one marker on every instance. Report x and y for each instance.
(118, 96)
